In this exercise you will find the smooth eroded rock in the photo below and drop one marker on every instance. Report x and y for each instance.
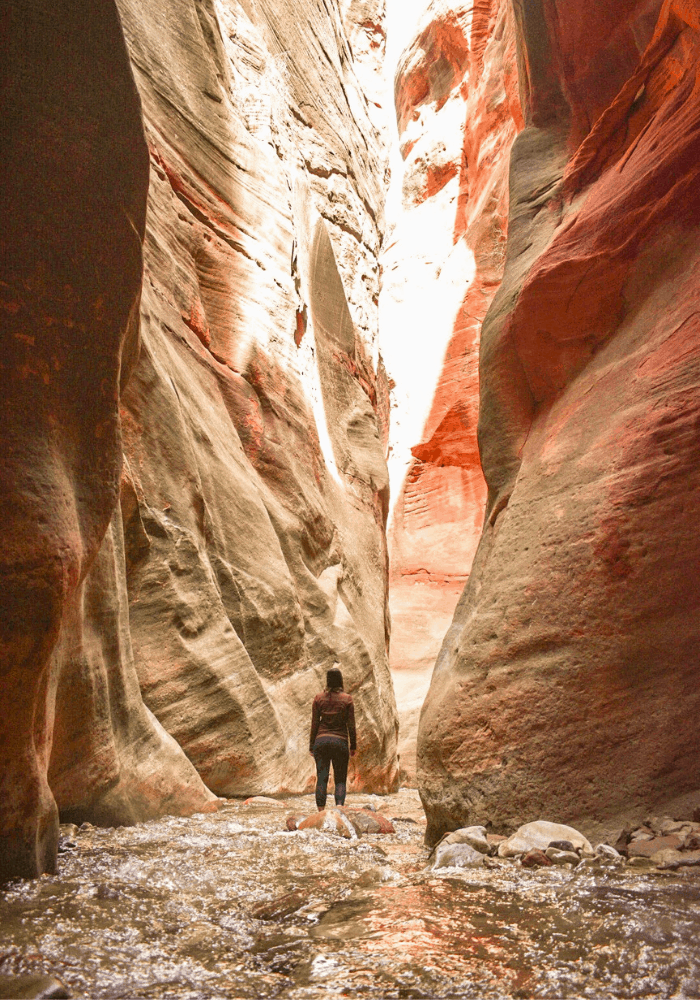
(456, 856)
(568, 682)
(540, 836)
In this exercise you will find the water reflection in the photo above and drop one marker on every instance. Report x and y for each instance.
(230, 905)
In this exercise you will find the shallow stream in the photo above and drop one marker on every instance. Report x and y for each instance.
(231, 905)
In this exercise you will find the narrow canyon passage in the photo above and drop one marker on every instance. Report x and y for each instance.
(357, 335)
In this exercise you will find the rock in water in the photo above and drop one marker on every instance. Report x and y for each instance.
(331, 821)
(540, 836)
(32, 988)
(369, 822)
(456, 856)
(475, 836)
(535, 859)
(558, 857)
(580, 625)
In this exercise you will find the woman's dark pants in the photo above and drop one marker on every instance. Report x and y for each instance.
(325, 754)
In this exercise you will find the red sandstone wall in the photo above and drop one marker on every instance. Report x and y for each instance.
(568, 683)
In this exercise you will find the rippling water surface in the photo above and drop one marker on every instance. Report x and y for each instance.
(231, 905)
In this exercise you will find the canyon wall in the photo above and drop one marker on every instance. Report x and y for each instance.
(193, 512)
(458, 112)
(567, 686)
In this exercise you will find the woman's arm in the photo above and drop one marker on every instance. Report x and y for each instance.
(315, 723)
(351, 726)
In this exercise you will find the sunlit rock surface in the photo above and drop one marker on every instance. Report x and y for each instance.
(457, 112)
(247, 553)
(568, 683)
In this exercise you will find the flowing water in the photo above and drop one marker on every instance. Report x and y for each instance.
(231, 905)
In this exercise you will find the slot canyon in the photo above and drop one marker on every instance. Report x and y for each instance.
(358, 335)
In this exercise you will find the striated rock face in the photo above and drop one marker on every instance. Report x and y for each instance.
(75, 167)
(568, 683)
(458, 113)
(164, 632)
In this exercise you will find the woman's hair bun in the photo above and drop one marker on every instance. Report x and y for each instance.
(334, 679)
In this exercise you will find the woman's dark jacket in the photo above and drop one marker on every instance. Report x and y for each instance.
(333, 715)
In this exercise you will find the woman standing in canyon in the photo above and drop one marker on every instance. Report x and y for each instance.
(333, 739)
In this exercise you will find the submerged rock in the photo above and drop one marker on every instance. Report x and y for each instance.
(331, 821)
(32, 988)
(558, 857)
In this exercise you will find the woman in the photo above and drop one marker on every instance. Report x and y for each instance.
(333, 737)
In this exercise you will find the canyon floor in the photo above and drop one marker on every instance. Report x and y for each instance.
(230, 905)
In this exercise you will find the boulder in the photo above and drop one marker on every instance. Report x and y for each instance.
(606, 851)
(692, 842)
(539, 836)
(475, 836)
